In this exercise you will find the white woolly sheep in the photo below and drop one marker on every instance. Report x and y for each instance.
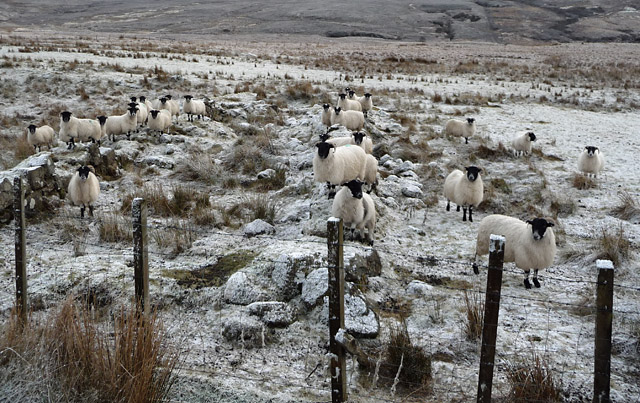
(40, 136)
(84, 189)
(338, 165)
(522, 143)
(356, 209)
(327, 113)
(165, 103)
(464, 190)
(366, 102)
(361, 139)
(348, 104)
(174, 105)
(591, 161)
(371, 172)
(531, 244)
(351, 94)
(102, 121)
(352, 120)
(159, 120)
(147, 103)
(356, 138)
(143, 112)
(193, 107)
(122, 124)
(72, 129)
(460, 128)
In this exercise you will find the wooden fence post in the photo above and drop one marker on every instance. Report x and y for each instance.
(21, 249)
(604, 316)
(336, 310)
(490, 326)
(140, 253)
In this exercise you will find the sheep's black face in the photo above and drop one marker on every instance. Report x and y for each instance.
(133, 111)
(163, 100)
(532, 137)
(154, 113)
(32, 129)
(142, 98)
(65, 116)
(326, 107)
(324, 149)
(473, 173)
(133, 99)
(591, 150)
(351, 93)
(188, 98)
(102, 120)
(358, 137)
(539, 227)
(168, 96)
(337, 110)
(470, 120)
(367, 95)
(355, 186)
(342, 96)
(132, 104)
(324, 137)
(83, 172)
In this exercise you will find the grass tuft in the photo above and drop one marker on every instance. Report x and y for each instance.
(474, 309)
(614, 245)
(533, 381)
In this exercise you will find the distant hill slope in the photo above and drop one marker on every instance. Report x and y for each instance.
(499, 21)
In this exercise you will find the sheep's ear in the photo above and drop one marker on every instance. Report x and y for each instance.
(530, 222)
(318, 144)
(550, 224)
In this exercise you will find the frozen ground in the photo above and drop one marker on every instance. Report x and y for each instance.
(425, 252)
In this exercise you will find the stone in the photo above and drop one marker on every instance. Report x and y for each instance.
(240, 290)
(258, 227)
(361, 267)
(288, 276)
(403, 167)
(273, 313)
(411, 191)
(267, 174)
(315, 287)
(417, 287)
(359, 320)
(245, 329)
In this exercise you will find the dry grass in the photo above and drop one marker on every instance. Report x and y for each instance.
(182, 200)
(474, 309)
(22, 149)
(533, 381)
(177, 236)
(581, 181)
(115, 228)
(628, 209)
(614, 245)
(76, 358)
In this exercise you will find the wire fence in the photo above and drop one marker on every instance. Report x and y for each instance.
(555, 327)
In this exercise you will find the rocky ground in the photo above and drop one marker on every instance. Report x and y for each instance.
(238, 227)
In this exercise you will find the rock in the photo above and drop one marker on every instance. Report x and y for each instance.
(273, 313)
(359, 320)
(245, 329)
(384, 159)
(360, 267)
(266, 174)
(157, 160)
(411, 191)
(403, 167)
(288, 275)
(315, 287)
(104, 161)
(240, 290)
(417, 287)
(258, 227)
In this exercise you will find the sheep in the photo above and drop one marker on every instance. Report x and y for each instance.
(338, 165)
(327, 113)
(193, 107)
(147, 103)
(143, 112)
(121, 124)
(102, 120)
(84, 189)
(351, 94)
(159, 120)
(72, 128)
(530, 248)
(464, 190)
(366, 102)
(356, 138)
(356, 209)
(522, 143)
(460, 128)
(591, 160)
(174, 106)
(352, 120)
(163, 103)
(361, 139)
(348, 104)
(39, 136)
(371, 172)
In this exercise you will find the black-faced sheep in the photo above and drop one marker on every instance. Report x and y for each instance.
(591, 161)
(464, 190)
(366, 102)
(338, 165)
(348, 104)
(40, 136)
(356, 209)
(193, 107)
(84, 189)
(459, 128)
(122, 124)
(522, 143)
(531, 244)
(159, 120)
(352, 120)
(72, 129)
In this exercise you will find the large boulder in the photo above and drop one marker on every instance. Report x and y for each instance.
(240, 290)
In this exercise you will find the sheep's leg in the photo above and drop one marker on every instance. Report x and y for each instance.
(466, 140)
(82, 211)
(448, 205)
(527, 284)
(458, 208)
(464, 214)
(476, 269)
(91, 210)
(535, 278)
(470, 214)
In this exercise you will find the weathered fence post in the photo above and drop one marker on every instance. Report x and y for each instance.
(490, 326)
(140, 253)
(21, 249)
(604, 316)
(336, 310)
